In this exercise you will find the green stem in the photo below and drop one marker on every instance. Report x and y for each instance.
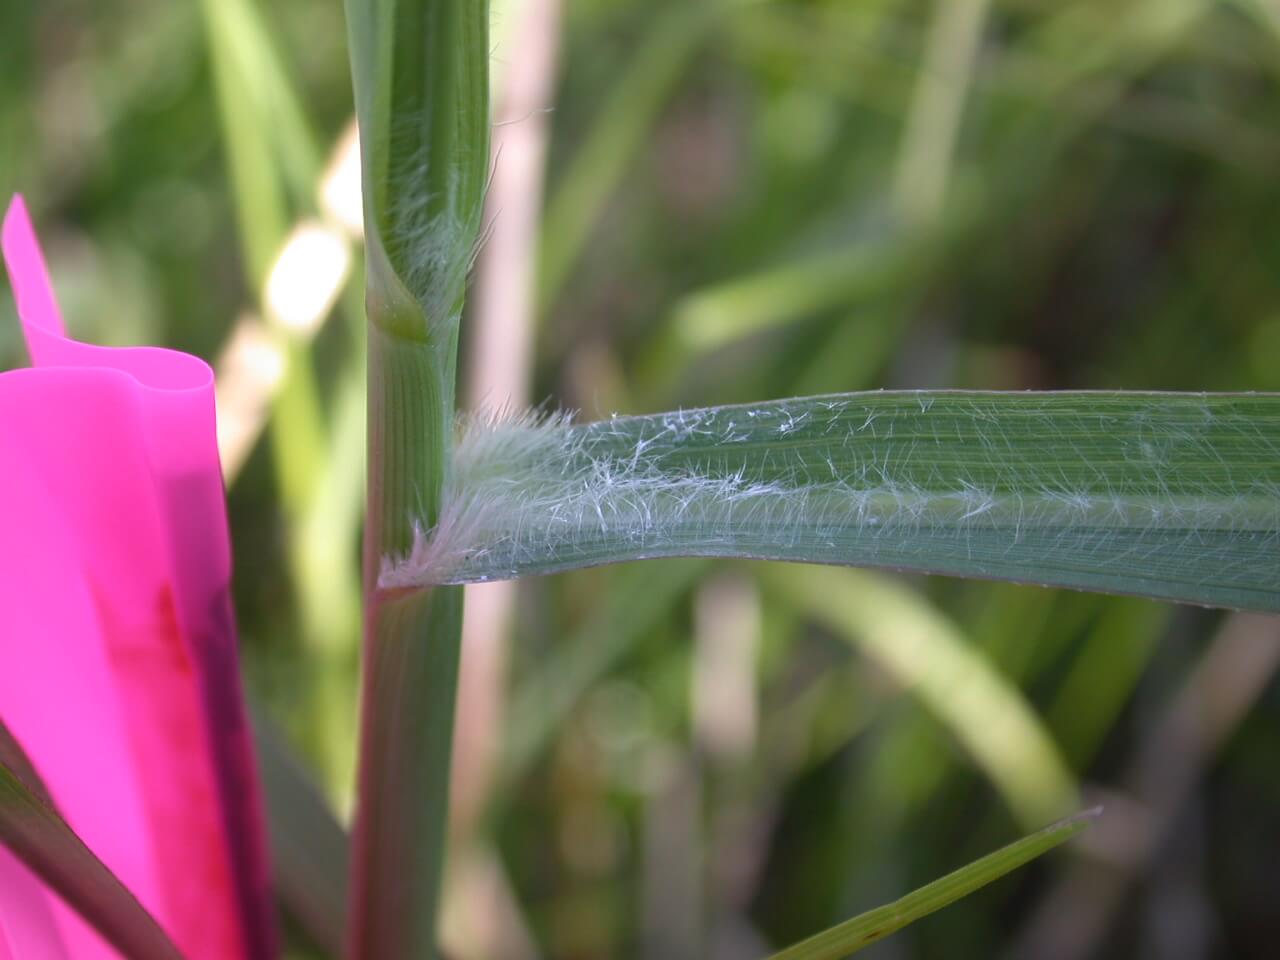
(411, 651)
(411, 389)
(421, 72)
(411, 671)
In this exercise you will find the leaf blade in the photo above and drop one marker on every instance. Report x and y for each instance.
(865, 929)
(1088, 490)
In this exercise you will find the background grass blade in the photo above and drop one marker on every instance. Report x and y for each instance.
(625, 119)
(1171, 496)
(42, 840)
(274, 166)
(541, 703)
(867, 928)
(309, 848)
(918, 647)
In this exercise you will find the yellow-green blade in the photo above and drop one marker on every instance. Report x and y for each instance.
(865, 929)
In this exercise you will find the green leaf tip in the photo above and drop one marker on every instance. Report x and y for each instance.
(853, 935)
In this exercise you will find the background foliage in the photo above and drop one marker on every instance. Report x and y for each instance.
(749, 200)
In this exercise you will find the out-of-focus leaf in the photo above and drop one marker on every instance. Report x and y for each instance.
(627, 116)
(712, 317)
(867, 928)
(1172, 496)
(35, 833)
(640, 598)
(920, 649)
(269, 147)
(309, 848)
(274, 165)
(1105, 669)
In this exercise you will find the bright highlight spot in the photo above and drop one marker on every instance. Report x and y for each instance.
(307, 277)
(248, 374)
(340, 197)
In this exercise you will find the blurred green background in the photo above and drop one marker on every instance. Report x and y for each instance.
(710, 202)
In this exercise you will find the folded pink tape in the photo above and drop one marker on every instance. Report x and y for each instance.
(118, 657)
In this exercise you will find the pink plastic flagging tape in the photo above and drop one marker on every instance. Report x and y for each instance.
(118, 655)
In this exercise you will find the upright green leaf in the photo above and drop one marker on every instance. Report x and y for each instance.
(35, 833)
(274, 165)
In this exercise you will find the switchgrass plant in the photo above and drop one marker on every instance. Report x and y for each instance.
(1169, 496)
(1017, 128)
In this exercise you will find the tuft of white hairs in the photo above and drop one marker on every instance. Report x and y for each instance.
(431, 236)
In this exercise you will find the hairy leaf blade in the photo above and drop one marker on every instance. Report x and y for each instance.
(865, 929)
(35, 833)
(1173, 496)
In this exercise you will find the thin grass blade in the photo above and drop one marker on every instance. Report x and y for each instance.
(874, 925)
(626, 118)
